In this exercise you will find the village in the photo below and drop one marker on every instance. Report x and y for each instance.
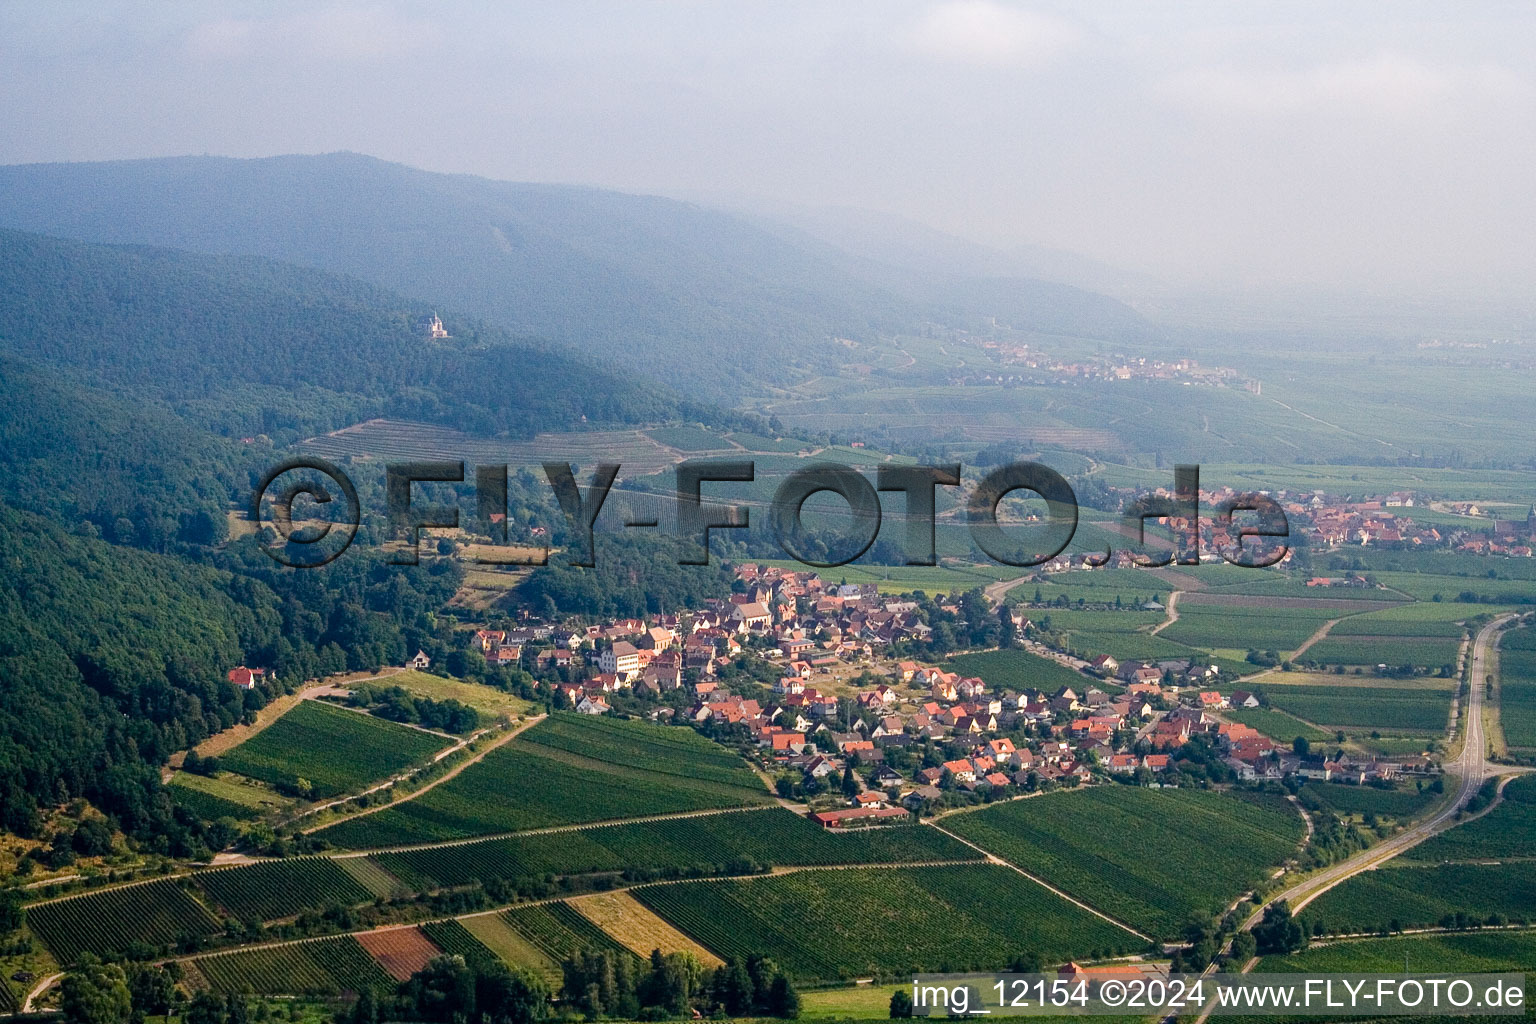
(862, 737)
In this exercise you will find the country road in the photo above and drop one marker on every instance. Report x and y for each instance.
(1172, 609)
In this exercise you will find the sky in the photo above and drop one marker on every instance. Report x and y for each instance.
(1384, 147)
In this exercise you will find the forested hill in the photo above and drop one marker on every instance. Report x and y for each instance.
(677, 292)
(257, 346)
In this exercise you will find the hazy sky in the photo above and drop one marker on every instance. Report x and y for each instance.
(1388, 145)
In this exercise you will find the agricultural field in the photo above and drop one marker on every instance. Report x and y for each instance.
(772, 836)
(493, 702)
(644, 747)
(1150, 858)
(278, 889)
(629, 921)
(689, 439)
(150, 914)
(556, 930)
(1410, 896)
(333, 750)
(1477, 952)
(510, 945)
(1517, 690)
(400, 951)
(1240, 627)
(372, 877)
(1509, 830)
(835, 925)
(403, 441)
(1402, 803)
(1385, 707)
(316, 967)
(1277, 725)
(555, 786)
(1423, 652)
(1017, 669)
(227, 796)
(453, 938)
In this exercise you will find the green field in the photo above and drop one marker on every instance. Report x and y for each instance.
(1150, 858)
(321, 967)
(1370, 707)
(333, 750)
(269, 891)
(634, 770)
(202, 801)
(707, 844)
(1509, 830)
(833, 925)
(150, 915)
(1419, 897)
(1018, 669)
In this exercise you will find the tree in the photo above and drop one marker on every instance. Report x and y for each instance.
(206, 1008)
(12, 914)
(901, 1004)
(1279, 932)
(1301, 746)
(506, 996)
(782, 1001)
(96, 993)
(152, 989)
(1244, 947)
(850, 782)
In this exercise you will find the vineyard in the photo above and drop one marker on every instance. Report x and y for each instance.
(831, 925)
(320, 967)
(556, 931)
(1277, 725)
(1418, 897)
(1150, 858)
(1370, 707)
(772, 836)
(629, 922)
(335, 751)
(551, 787)
(645, 747)
(454, 939)
(402, 440)
(1517, 689)
(152, 915)
(1016, 669)
(1384, 650)
(1491, 952)
(278, 889)
(1401, 804)
(208, 806)
(1241, 626)
(1509, 830)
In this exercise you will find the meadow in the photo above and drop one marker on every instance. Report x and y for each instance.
(834, 925)
(1150, 858)
(484, 698)
(333, 750)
